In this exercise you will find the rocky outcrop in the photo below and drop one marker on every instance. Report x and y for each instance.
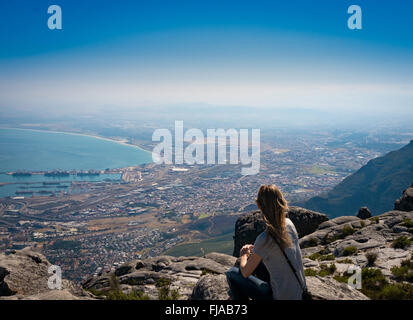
(24, 275)
(350, 241)
(177, 273)
(251, 224)
(405, 202)
(364, 213)
(197, 278)
(329, 250)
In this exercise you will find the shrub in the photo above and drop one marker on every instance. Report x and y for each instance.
(404, 272)
(362, 224)
(375, 219)
(329, 239)
(315, 256)
(348, 251)
(398, 291)
(327, 257)
(310, 272)
(346, 260)
(373, 282)
(407, 223)
(371, 258)
(400, 272)
(376, 286)
(347, 231)
(401, 242)
(162, 282)
(327, 270)
(165, 293)
(407, 262)
(342, 278)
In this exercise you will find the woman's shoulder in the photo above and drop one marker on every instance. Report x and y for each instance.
(290, 225)
(261, 237)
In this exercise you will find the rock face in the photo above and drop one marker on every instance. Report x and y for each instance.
(326, 288)
(24, 275)
(405, 202)
(250, 225)
(364, 213)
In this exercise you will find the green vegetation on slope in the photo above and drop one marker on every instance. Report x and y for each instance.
(223, 244)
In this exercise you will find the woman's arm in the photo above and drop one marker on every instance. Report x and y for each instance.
(249, 261)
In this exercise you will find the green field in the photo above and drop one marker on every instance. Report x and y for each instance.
(316, 170)
(222, 244)
(203, 215)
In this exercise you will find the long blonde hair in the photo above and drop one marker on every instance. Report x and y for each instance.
(274, 209)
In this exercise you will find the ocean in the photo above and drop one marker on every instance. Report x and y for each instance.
(32, 150)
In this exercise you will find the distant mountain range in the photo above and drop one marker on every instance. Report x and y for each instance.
(374, 185)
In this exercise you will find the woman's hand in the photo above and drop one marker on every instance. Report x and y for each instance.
(249, 260)
(246, 250)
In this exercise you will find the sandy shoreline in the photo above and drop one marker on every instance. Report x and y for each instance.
(123, 142)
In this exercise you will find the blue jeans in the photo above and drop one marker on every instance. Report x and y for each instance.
(244, 288)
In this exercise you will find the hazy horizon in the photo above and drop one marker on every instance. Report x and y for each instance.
(124, 57)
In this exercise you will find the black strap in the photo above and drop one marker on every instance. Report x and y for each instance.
(304, 288)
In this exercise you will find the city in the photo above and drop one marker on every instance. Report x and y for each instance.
(96, 226)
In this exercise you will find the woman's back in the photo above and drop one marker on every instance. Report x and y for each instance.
(284, 283)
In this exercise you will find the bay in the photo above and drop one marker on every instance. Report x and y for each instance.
(33, 150)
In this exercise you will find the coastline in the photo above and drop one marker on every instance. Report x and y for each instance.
(123, 142)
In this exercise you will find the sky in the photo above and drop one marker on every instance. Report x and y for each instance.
(264, 54)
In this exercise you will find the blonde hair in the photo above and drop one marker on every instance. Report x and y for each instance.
(274, 209)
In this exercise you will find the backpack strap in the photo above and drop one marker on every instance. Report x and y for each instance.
(304, 288)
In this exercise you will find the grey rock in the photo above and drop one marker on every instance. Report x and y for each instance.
(364, 213)
(326, 288)
(24, 274)
(211, 287)
(405, 202)
(400, 229)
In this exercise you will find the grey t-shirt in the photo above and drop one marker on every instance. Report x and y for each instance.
(283, 281)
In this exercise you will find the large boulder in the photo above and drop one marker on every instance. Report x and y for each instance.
(24, 275)
(211, 287)
(247, 228)
(405, 202)
(364, 213)
(251, 224)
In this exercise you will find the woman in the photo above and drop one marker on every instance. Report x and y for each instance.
(279, 237)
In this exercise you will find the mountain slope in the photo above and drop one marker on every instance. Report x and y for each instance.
(374, 185)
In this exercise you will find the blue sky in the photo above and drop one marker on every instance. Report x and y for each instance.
(131, 54)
